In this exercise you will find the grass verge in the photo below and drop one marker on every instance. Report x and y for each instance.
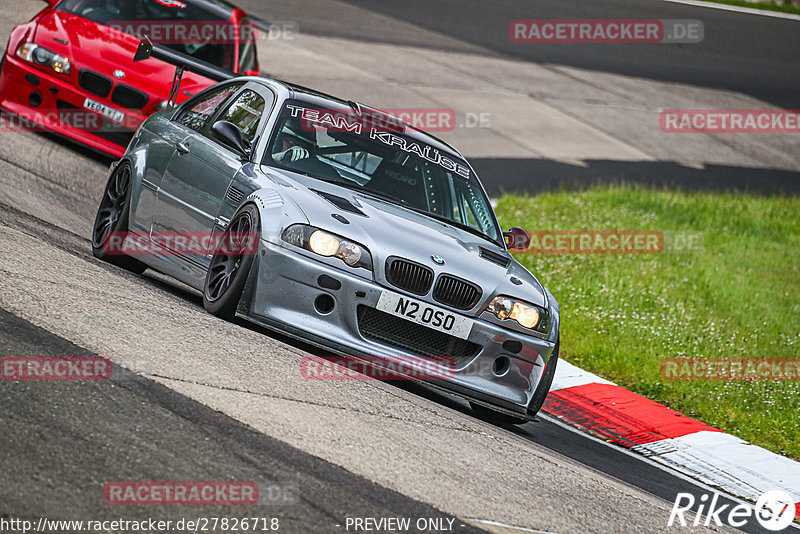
(767, 6)
(739, 297)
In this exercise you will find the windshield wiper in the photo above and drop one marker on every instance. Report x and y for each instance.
(383, 196)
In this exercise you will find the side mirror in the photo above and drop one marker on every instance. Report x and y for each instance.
(229, 134)
(517, 238)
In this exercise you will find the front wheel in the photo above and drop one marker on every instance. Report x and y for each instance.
(230, 266)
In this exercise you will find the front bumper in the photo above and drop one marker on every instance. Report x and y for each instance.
(284, 286)
(44, 101)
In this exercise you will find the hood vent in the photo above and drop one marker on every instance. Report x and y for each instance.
(495, 257)
(340, 202)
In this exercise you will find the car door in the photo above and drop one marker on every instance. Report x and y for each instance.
(201, 169)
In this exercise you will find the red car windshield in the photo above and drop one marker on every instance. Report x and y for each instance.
(181, 26)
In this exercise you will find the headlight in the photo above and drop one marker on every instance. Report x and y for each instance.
(328, 245)
(528, 315)
(323, 243)
(44, 57)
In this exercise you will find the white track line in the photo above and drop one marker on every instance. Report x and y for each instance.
(667, 469)
(737, 9)
(569, 376)
(510, 527)
(727, 461)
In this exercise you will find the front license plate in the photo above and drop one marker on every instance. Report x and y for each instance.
(105, 111)
(425, 314)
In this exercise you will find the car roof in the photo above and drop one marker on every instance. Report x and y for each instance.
(324, 100)
(220, 8)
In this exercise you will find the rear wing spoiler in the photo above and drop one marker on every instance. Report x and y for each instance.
(182, 63)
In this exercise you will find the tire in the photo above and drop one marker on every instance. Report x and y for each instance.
(228, 272)
(112, 218)
(536, 403)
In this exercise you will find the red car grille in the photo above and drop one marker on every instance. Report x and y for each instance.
(128, 97)
(100, 85)
(95, 83)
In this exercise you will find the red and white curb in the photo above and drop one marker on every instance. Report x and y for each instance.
(707, 454)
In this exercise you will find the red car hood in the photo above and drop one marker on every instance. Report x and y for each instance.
(103, 49)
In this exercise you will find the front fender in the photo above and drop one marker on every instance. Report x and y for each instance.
(276, 211)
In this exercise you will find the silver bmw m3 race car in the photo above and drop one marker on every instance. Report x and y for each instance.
(339, 225)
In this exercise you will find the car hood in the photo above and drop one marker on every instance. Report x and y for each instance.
(388, 229)
(103, 49)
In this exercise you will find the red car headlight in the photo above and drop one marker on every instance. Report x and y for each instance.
(39, 55)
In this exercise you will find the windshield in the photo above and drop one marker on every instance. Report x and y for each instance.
(181, 26)
(369, 153)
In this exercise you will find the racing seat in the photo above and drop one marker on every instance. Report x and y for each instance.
(401, 182)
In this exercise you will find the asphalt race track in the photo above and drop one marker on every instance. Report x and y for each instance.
(76, 434)
(739, 53)
(67, 440)
(210, 400)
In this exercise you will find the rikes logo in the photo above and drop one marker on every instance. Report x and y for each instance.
(438, 260)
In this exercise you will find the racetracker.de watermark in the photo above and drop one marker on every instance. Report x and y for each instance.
(611, 242)
(390, 119)
(629, 31)
(181, 243)
(191, 32)
(55, 368)
(375, 368)
(204, 32)
(180, 493)
(730, 121)
(730, 369)
(73, 118)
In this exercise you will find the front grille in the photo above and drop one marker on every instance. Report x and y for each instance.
(94, 83)
(420, 340)
(128, 97)
(94, 124)
(412, 277)
(456, 292)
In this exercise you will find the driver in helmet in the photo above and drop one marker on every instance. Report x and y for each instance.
(293, 143)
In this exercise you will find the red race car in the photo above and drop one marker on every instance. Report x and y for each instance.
(70, 70)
